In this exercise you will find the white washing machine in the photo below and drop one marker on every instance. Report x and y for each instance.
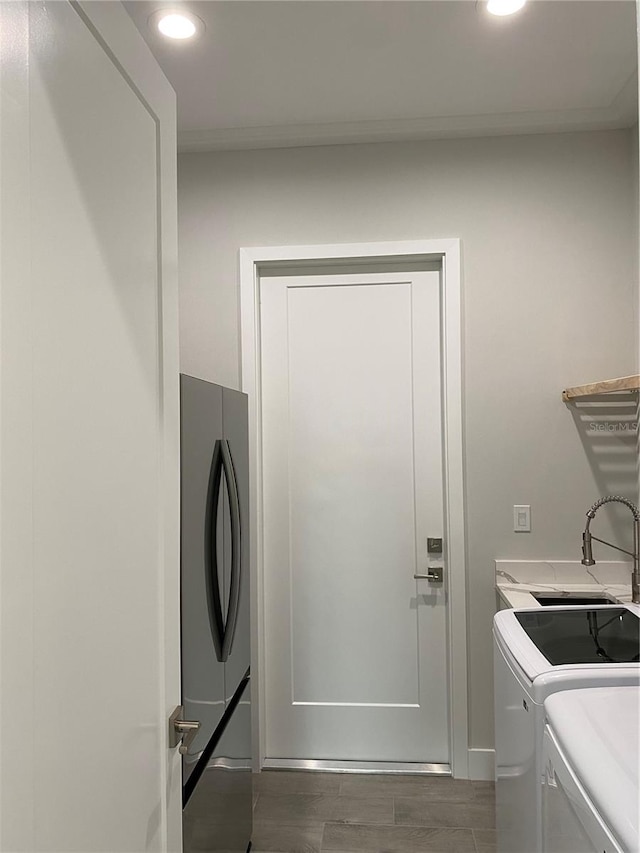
(591, 756)
(539, 652)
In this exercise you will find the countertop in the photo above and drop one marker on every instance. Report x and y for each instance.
(516, 580)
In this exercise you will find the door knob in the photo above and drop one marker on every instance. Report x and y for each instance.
(182, 730)
(435, 574)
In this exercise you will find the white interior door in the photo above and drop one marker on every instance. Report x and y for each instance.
(89, 443)
(355, 645)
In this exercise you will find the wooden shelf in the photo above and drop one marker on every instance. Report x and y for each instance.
(607, 386)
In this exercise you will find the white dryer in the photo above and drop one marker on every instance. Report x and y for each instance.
(591, 756)
(537, 653)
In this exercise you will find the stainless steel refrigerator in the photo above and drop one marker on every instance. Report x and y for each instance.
(215, 625)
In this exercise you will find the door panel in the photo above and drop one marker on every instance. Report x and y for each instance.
(98, 419)
(355, 646)
(351, 493)
(96, 438)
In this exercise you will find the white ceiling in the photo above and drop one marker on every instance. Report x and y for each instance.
(305, 72)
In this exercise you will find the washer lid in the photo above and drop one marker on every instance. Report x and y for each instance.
(518, 644)
(599, 635)
(598, 731)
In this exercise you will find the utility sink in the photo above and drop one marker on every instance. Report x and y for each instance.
(569, 600)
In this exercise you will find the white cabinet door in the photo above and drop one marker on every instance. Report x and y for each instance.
(89, 512)
(355, 645)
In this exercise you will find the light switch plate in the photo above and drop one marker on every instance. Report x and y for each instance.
(522, 519)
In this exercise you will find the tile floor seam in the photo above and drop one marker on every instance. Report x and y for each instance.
(337, 822)
(402, 825)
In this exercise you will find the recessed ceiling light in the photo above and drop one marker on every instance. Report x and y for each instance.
(504, 7)
(173, 24)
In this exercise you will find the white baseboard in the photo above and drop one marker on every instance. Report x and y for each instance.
(482, 764)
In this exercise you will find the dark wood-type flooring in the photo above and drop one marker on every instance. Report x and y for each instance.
(298, 812)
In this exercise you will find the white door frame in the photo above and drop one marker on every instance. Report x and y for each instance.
(447, 251)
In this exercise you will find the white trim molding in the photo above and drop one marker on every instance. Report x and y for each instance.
(482, 764)
(621, 112)
(253, 262)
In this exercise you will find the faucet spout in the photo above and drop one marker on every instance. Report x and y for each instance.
(587, 553)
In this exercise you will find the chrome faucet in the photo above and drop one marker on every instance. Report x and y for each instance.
(587, 555)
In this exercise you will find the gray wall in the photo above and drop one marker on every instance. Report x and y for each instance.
(548, 229)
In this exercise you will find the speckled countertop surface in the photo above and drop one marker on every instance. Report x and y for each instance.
(516, 580)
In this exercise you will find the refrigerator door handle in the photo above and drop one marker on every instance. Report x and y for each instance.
(211, 552)
(236, 544)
